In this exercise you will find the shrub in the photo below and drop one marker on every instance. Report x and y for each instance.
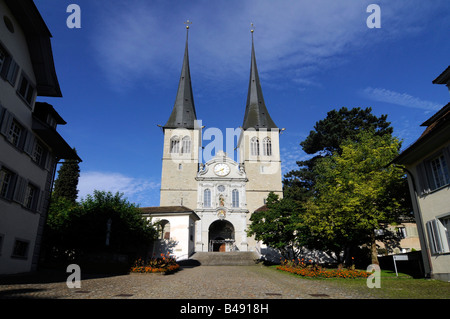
(301, 268)
(164, 264)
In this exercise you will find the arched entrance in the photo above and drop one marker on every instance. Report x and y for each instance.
(221, 236)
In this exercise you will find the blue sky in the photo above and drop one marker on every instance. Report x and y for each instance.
(119, 73)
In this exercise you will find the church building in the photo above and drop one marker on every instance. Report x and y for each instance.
(206, 207)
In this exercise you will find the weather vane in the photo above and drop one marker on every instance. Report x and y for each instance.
(187, 23)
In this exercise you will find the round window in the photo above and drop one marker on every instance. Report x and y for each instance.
(221, 188)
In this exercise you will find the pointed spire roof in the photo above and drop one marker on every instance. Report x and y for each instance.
(256, 115)
(183, 113)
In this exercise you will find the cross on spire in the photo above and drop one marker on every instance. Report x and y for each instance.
(187, 23)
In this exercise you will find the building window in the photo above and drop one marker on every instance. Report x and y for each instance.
(267, 147)
(254, 146)
(186, 145)
(174, 145)
(207, 198)
(6, 183)
(31, 197)
(235, 198)
(26, 90)
(439, 170)
(20, 249)
(38, 154)
(433, 173)
(15, 133)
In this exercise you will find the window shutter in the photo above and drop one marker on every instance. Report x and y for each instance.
(446, 153)
(13, 70)
(6, 122)
(48, 162)
(29, 144)
(437, 237)
(20, 189)
(40, 207)
(23, 139)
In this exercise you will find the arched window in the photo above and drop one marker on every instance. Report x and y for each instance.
(267, 147)
(207, 198)
(174, 145)
(254, 146)
(235, 198)
(186, 145)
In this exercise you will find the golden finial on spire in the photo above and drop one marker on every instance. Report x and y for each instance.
(252, 29)
(187, 23)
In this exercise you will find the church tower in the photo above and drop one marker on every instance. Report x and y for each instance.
(259, 147)
(182, 141)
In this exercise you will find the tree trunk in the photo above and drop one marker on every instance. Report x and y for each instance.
(374, 253)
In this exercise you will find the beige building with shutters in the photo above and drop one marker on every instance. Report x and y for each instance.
(427, 163)
(30, 146)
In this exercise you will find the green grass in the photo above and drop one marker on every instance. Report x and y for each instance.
(393, 287)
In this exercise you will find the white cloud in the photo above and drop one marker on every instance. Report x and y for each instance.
(403, 99)
(136, 190)
(293, 39)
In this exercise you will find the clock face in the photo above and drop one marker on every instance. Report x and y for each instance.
(221, 169)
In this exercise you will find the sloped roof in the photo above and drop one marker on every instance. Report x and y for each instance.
(39, 46)
(166, 209)
(436, 133)
(444, 77)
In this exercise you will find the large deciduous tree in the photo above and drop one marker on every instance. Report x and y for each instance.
(356, 190)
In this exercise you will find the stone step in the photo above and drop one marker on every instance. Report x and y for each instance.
(244, 258)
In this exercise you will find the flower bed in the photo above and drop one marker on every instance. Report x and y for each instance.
(314, 271)
(164, 264)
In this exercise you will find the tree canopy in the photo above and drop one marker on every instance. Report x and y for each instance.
(82, 227)
(279, 226)
(356, 191)
(325, 140)
(67, 181)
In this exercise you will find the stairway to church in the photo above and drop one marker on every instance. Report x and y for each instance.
(239, 258)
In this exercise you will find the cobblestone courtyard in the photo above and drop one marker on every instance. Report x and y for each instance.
(201, 282)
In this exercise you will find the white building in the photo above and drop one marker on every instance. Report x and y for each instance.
(30, 147)
(223, 193)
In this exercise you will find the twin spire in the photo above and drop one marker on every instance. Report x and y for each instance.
(183, 114)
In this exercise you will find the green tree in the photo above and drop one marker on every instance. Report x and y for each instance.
(325, 140)
(67, 180)
(356, 190)
(280, 226)
(128, 228)
(82, 228)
